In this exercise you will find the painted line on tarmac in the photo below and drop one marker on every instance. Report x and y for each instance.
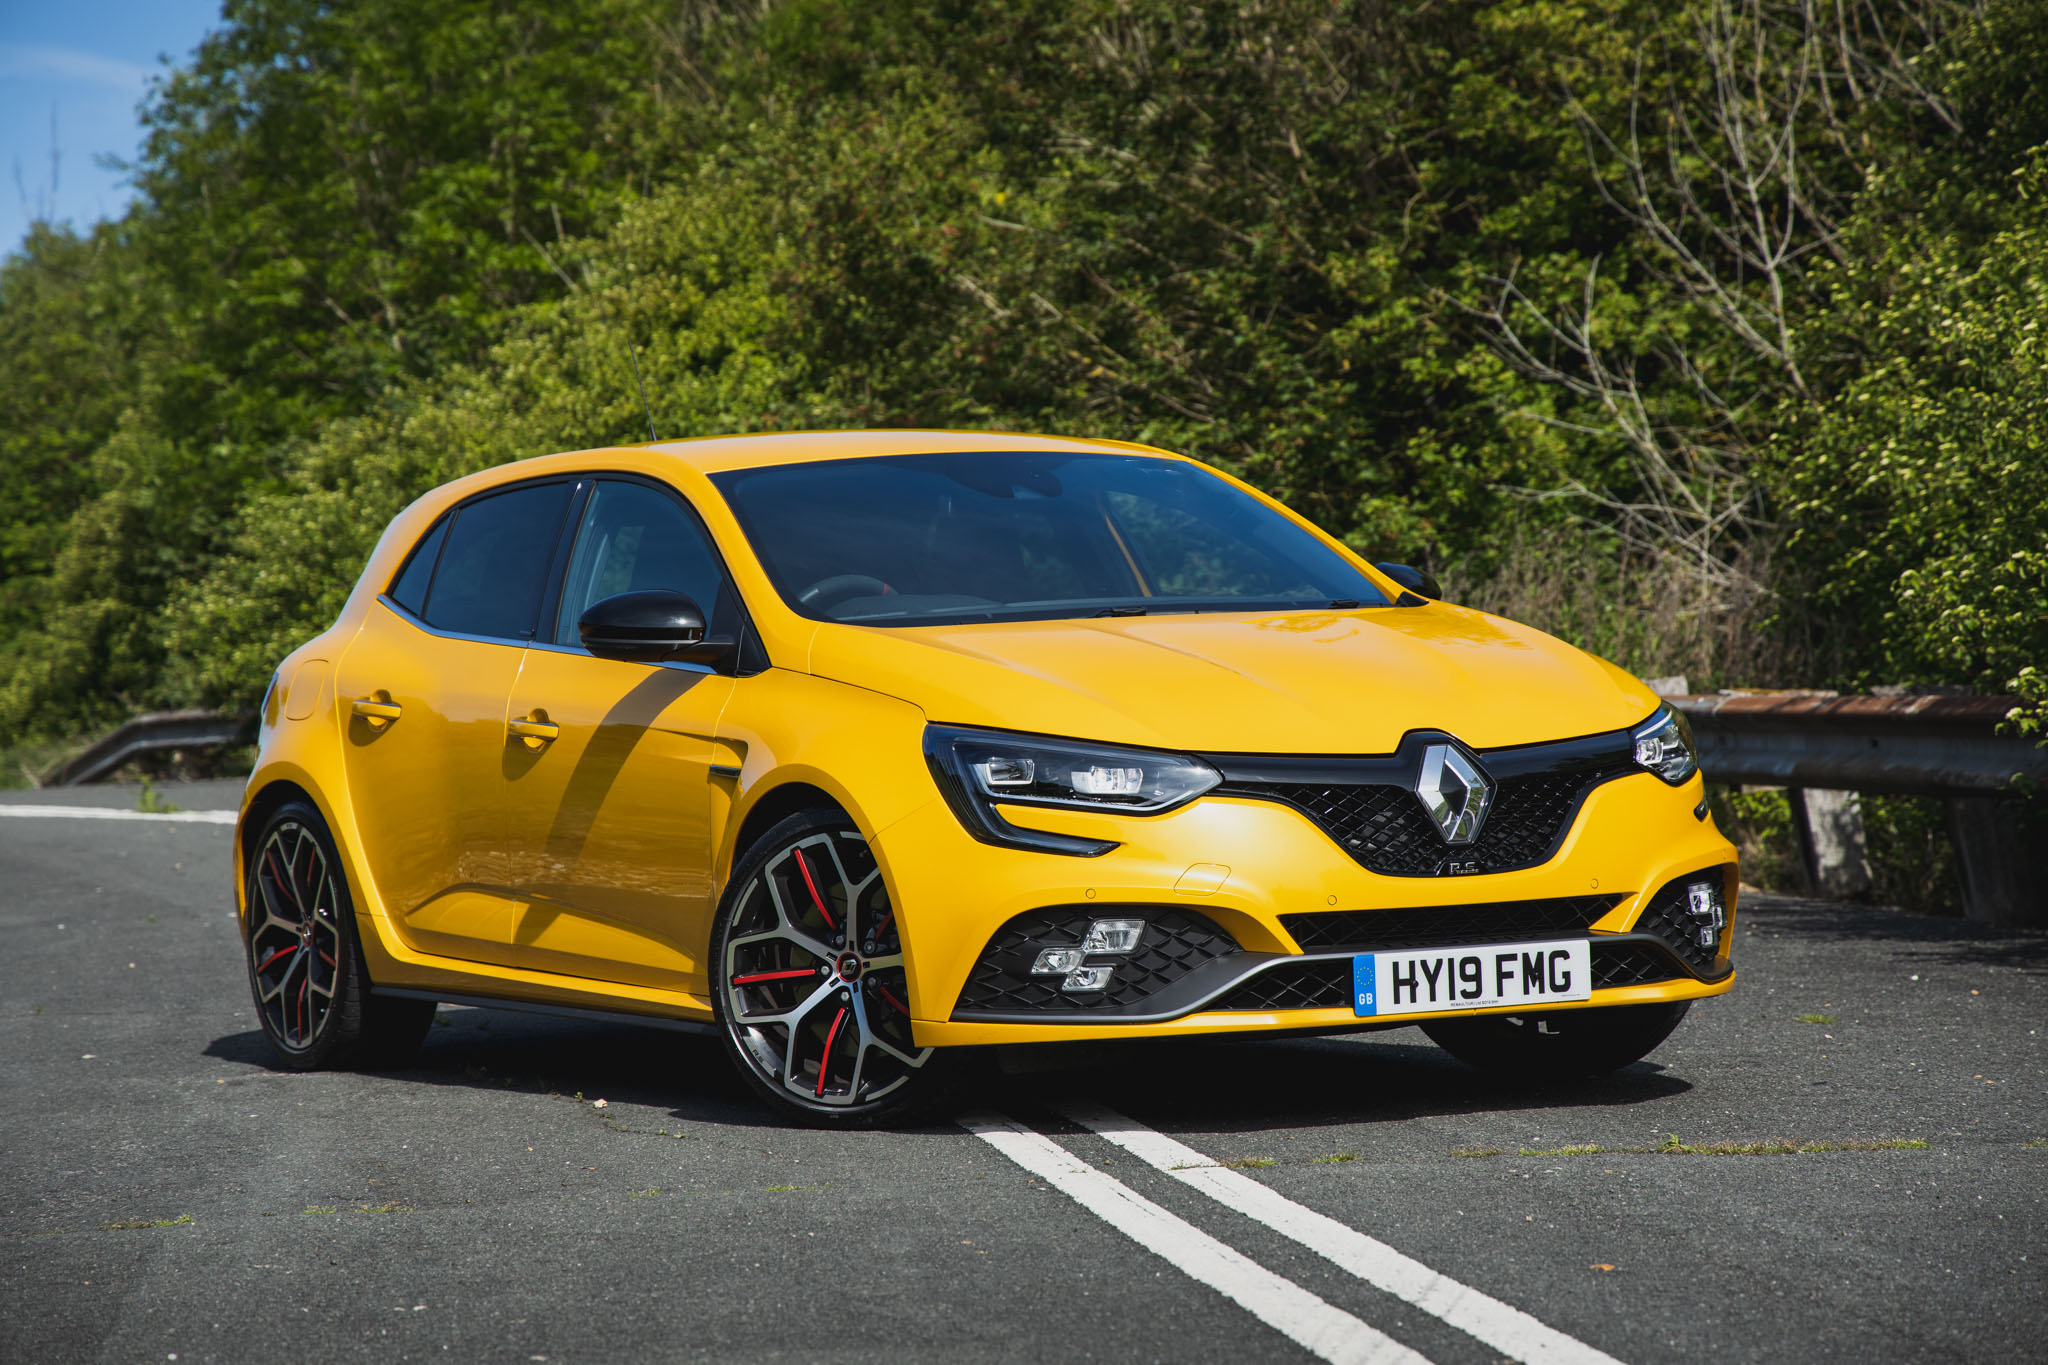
(1330, 1332)
(175, 817)
(1505, 1328)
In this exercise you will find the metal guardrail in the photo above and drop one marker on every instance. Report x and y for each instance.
(1824, 747)
(153, 733)
(1909, 746)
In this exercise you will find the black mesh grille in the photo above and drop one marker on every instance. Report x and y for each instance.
(1294, 986)
(1385, 827)
(1668, 917)
(1631, 964)
(1175, 943)
(1447, 926)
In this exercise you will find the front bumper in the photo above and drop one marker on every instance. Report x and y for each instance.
(1250, 867)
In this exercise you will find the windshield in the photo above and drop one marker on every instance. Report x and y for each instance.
(930, 539)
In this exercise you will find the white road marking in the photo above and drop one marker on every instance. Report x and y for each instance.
(1507, 1329)
(1330, 1332)
(176, 817)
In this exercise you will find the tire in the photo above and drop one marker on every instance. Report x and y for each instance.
(306, 972)
(1560, 1044)
(808, 985)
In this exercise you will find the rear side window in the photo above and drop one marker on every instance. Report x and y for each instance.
(410, 588)
(495, 563)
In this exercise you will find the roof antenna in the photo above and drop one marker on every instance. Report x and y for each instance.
(632, 351)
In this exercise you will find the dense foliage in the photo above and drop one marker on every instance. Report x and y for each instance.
(1466, 282)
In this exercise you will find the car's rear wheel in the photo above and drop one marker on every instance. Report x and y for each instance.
(306, 971)
(1562, 1043)
(809, 985)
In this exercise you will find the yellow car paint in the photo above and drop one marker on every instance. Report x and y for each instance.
(583, 869)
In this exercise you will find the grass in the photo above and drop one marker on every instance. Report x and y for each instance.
(133, 1224)
(791, 1189)
(647, 1194)
(150, 801)
(1816, 1018)
(1332, 1157)
(318, 1208)
(1248, 1163)
(1673, 1145)
(385, 1208)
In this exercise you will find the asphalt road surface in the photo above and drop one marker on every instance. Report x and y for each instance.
(170, 1194)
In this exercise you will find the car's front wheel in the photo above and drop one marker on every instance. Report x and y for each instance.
(306, 971)
(809, 983)
(1563, 1043)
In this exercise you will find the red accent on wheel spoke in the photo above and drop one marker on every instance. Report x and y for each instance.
(281, 952)
(280, 880)
(826, 1059)
(816, 899)
(887, 995)
(328, 960)
(886, 917)
(774, 976)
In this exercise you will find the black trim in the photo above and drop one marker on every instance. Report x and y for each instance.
(560, 1011)
(1448, 926)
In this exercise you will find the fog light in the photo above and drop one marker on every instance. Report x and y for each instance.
(1703, 903)
(1087, 979)
(1058, 962)
(1113, 936)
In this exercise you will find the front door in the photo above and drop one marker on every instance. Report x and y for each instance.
(422, 691)
(608, 790)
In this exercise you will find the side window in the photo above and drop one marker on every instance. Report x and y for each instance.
(496, 562)
(409, 589)
(634, 537)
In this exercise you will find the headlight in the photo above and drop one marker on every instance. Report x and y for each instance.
(976, 769)
(1664, 746)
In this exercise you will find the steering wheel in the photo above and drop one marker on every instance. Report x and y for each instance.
(829, 592)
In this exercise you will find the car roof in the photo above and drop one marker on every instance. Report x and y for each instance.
(714, 454)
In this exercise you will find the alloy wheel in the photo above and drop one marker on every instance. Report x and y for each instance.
(295, 938)
(814, 990)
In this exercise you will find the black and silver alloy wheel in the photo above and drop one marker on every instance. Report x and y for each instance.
(810, 984)
(295, 946)
(306, 971)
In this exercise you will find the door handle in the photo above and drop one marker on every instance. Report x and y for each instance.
(379, 710)
(535, 730)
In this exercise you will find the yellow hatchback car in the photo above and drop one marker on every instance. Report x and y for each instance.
(868, 748)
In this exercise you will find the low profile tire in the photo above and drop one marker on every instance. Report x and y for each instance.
(1560, 1044)
(306, 971)
(808, 982)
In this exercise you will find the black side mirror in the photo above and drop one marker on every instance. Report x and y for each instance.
(651, 626)
(1414, 580)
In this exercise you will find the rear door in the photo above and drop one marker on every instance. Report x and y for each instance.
(608, 794)
(423, 688)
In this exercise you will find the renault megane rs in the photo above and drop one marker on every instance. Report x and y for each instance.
(866, 748)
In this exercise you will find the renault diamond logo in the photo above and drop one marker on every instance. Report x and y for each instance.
(1455, 793)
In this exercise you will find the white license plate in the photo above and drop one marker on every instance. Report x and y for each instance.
(1420, 980)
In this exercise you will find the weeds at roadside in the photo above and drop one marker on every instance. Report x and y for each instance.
(133, 1224)
(150, 801)
(385, 1208)
(1332, 1157)
(318, 1208)
(1247, 1163)
(1816, 1018)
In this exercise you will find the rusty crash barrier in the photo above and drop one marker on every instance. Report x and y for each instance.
(1826, 749)
(153, 733)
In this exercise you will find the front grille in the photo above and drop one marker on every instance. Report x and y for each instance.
(1631, 963)
(1447, 926)
(1669, 918)
(1175, 943)
(1294, 986)
(1369, 807)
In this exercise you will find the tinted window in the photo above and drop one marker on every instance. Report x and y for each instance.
(906, 539)
(635, 537)
(410, 588)
(496, 562)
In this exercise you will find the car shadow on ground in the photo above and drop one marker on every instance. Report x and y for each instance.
(1934, 940)
(1217, 1085)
